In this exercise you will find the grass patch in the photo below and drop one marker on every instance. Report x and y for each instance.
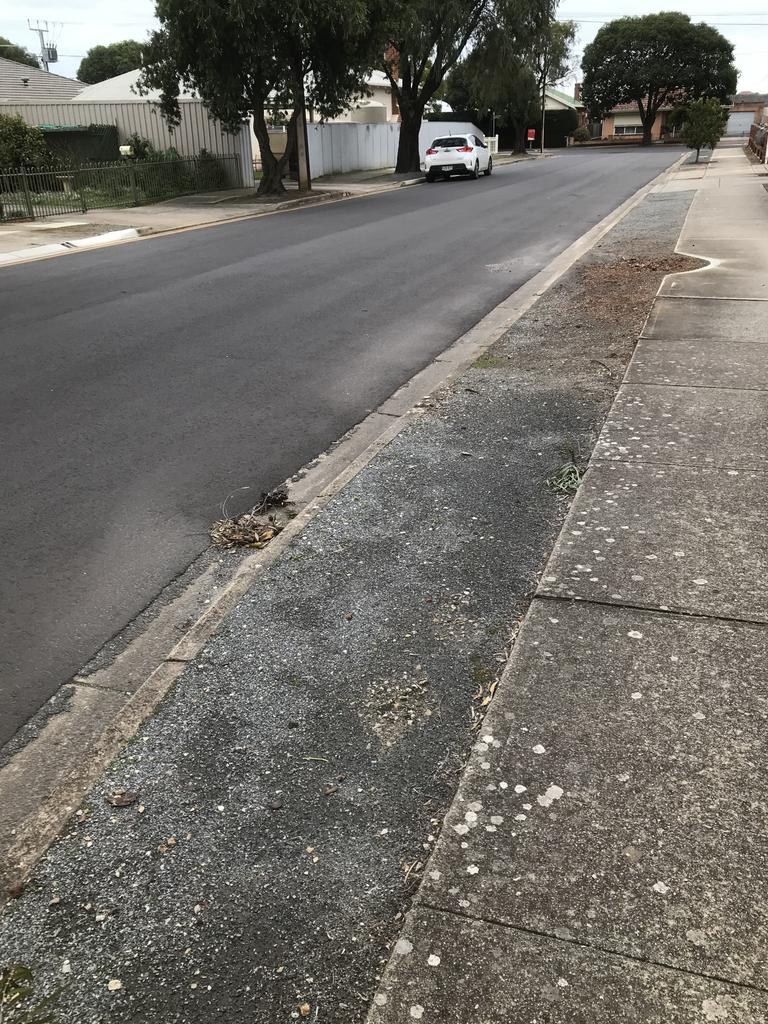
(491, 362)
(567, 479)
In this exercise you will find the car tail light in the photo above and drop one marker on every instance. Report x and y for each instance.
(431, 152)
(464, 149)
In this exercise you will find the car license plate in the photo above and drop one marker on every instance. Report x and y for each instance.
(446, 168)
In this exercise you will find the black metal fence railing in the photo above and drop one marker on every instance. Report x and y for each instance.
(45, 192)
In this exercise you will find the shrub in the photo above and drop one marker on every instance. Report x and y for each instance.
(581, 134)
(21, 145)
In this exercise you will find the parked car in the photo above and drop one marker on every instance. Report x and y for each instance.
(457, 154)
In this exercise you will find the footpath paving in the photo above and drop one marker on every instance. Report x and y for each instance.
(605, 859)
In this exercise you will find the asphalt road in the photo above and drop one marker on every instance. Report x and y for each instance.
(144, 383)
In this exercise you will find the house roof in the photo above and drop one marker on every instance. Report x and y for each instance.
(564, 98)
(22, 84)
(122, 89)
(631, 108)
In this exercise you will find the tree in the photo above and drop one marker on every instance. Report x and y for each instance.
(654, 59)
(102, 62)
(21, 144)
(21, 55)
(703, 123)
(262, 59)
(512, 63)
(552, 43)
(427, 39)
(457, 88)
(503, 81)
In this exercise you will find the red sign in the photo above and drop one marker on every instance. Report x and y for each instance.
(531, 134)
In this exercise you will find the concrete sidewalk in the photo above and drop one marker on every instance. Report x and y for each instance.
(605, 859)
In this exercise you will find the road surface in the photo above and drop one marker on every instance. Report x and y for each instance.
(145, 383)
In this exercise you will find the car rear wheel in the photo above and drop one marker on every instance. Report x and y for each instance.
(430, 177)
(476, 170)
(489, 168)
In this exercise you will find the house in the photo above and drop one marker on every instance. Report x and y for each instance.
(746, 109)
(623, 122)
(555, 99)
(114, 109)
(20, 83)
(378, 107)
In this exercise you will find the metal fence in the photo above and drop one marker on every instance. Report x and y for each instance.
(32, 193)
(758, 141)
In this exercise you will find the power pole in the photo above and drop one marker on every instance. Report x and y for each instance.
(45, 55)
(302, 145)
(544, 76)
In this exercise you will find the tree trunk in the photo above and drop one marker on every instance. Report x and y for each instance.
(272, 167)
(648, 121)
(408, 155)
(698, 150)
(520, 133)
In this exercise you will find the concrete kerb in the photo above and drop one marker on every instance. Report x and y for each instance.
(310, 491)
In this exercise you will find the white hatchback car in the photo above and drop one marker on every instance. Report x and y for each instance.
(457, 154)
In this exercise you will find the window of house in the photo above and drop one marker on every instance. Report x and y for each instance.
(628, 129)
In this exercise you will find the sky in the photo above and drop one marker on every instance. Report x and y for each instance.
(77, 25)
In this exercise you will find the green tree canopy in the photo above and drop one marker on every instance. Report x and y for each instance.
(21, 144)
(102, 62)
(510, 65)
(703, 123)
(259, 58)
(428, 38)
(652, 60)
(20, 54)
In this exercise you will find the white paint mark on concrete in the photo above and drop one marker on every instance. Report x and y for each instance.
(548, 798)
(403, 947)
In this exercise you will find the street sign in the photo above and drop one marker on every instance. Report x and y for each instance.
(531, 134)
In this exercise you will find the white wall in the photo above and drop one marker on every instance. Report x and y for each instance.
(338, 148)
(431, 130)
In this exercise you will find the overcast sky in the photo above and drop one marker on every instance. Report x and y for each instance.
(76, 25)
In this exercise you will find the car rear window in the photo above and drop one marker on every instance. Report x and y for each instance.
(454, 141)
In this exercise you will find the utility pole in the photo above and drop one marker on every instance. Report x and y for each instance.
(544, 75)
(48, 53)
(302, 144)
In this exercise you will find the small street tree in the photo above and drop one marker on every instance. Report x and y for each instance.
(652, 60)
(261, 59)
(102, 62)
(703, 124)
(20, 54)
